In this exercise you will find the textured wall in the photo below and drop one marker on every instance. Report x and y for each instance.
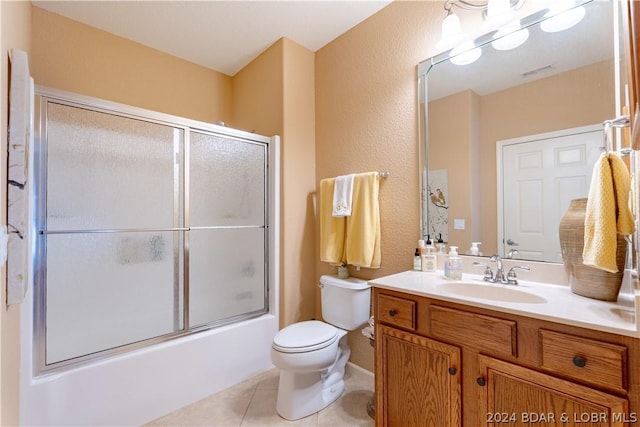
(366, 120)
(72, 56)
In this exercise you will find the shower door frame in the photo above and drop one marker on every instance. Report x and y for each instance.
(37, 235)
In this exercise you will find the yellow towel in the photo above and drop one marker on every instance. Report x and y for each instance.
(362, 245)
(607, 213)
(332, 229)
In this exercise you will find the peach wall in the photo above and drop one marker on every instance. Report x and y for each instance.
(72, 56)
(366, 120)
(257, 93)
(298, 185)
(15, 19)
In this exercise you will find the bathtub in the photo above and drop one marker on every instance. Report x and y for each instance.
(142, 385)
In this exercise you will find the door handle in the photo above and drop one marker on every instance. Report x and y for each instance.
(512, 242)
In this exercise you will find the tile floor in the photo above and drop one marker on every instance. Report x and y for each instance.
(253, 403)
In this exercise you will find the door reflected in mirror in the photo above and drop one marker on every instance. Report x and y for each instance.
(512, 138)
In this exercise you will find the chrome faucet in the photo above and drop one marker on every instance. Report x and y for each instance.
(511, 275)
(499, 276)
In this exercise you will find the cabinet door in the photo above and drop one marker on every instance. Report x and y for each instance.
(417, 380)
(518, 396)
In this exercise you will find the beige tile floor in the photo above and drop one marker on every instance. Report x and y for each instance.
(253, 403)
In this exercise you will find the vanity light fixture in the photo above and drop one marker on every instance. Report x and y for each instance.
(498, 15)
(562, 15)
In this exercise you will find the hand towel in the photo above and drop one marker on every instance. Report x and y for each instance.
(607, 213)
(332, 229)
(343, 195)
(362, 245)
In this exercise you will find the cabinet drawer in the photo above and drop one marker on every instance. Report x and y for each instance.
(397, 311)
(586, 360)
(486, 333)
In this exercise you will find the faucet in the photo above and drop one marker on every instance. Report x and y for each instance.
(511, 275)
(499, 276)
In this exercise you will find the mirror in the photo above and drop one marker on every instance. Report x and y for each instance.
(552, 93)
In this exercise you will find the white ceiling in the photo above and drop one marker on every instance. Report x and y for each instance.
(220, 35)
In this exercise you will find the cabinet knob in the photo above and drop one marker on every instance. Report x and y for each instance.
(481, 382)
(580, 362)
(453, 371)
(392, 312)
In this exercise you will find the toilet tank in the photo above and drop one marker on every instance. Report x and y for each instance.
(345, 302)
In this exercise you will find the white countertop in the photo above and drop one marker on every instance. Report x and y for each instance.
(561, 305)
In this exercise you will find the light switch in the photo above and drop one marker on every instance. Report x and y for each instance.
(458, 224)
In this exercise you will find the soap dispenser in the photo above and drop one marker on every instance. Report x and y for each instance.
(453, 265)
(474, 249)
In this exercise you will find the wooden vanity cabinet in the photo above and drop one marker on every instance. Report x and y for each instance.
(519, 396)
(432, 398)
(445, 364)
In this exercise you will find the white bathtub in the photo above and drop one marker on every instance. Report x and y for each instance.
(140, 386)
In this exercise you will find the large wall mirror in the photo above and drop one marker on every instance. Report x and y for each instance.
(479, 122)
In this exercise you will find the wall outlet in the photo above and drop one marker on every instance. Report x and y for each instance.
(458, 224)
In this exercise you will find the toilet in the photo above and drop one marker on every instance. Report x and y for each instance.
(312, 355)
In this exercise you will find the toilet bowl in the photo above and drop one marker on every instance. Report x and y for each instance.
(312, 355)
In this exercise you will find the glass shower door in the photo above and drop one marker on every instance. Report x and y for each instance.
(227, 228)
(111, 231)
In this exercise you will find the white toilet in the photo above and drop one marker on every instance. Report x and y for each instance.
(312, 355)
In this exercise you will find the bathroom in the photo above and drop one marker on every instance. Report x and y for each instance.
(350, 107)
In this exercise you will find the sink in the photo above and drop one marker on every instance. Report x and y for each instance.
(491, 292)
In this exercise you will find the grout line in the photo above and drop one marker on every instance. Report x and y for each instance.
(253, 395)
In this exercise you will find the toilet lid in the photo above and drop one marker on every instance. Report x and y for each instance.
(305, 336)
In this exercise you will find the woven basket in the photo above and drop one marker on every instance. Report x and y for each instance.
(583, 280)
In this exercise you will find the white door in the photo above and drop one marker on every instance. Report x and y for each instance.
(541, 174)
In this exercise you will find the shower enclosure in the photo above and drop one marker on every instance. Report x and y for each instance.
(148, 227)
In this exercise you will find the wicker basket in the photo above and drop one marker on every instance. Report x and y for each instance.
(583, 280)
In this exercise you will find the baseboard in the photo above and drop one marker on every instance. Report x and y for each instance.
(354, 369)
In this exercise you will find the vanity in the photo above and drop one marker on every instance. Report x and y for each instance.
(472, 353)
(531, 354)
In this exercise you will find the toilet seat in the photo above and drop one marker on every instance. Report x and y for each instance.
(305, 336)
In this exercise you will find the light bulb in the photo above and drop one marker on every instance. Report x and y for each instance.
(465, 54)
(451, 32)
(499, 13)
(497, 7)
(562, 15)
(510, 37)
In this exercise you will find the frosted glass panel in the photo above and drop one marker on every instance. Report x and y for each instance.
(107, 171)
(227, 181)
(226, 273)
(105, 290)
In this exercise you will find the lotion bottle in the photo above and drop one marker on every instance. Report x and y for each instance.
(428, 260)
